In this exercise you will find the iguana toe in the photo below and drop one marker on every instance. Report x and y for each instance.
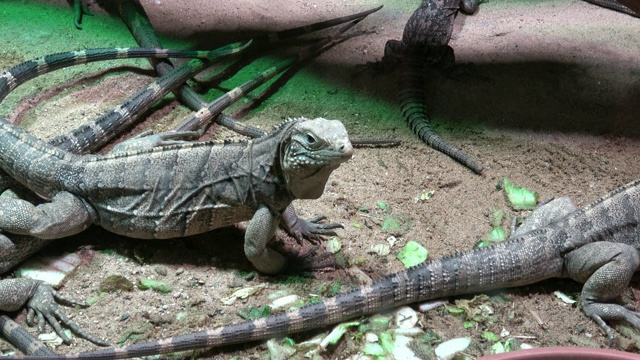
(43, 309)
(313, 229)
(600, 312)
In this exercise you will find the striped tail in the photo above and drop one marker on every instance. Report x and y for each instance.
(21, 73)
(524, 260)
(412, 97)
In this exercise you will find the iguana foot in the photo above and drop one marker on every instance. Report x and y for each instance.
(606, 269)
(43, 305)
(313, 229)
(600, 312)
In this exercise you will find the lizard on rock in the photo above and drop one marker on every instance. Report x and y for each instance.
(425, 43)
(597, 245)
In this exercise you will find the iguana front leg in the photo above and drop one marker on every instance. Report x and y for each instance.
(42, 304)
(261, 229)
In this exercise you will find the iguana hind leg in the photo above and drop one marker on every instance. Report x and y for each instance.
(65, 215)
(606, 269)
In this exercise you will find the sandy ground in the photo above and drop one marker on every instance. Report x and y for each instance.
(546, 94)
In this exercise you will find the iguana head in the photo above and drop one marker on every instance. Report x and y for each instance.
(310, 152)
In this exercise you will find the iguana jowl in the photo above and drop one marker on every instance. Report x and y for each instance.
(596, 245)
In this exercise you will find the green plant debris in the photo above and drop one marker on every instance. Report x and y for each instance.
(565, 298)
(496, 217)
(383, 206)
(477, 309)
(412, 254)
(511, 345)
(330, 289)
(94, 299)
(499, 347)
(288, 342)
(396, 224)
(155, 285)
(468, 324)
(337, 333)
(424, 196)
(374, 349)
(454, 311)
(254, 312)
(490, 336)
(386, 340)
(380, 323)
(520, 198)
(356, 225)
(496, 234)
(334, 244)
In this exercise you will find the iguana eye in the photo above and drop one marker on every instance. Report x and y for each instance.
(310, 138)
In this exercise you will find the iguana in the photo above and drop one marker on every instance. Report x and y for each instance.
(629, 7)
(596, 245)
(174, 188)
(425, 43)
(41, 298)
(92, 136)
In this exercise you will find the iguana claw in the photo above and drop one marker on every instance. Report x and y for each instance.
(313, 229)
(43, 306)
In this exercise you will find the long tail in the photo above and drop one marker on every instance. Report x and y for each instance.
(412, 95)
(21, 73)
(524, 260)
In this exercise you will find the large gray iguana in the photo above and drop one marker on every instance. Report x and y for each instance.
(89, 137)
(174, 190)
(40, 297)
(597, 245)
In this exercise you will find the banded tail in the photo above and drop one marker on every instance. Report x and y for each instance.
(520, 261)
(411, 96)
(21, 73)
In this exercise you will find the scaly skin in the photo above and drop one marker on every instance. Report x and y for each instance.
(90, 137)
(42, 299)
(597, 245)
(424, 43)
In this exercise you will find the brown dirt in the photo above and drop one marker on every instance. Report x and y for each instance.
(546, 95)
